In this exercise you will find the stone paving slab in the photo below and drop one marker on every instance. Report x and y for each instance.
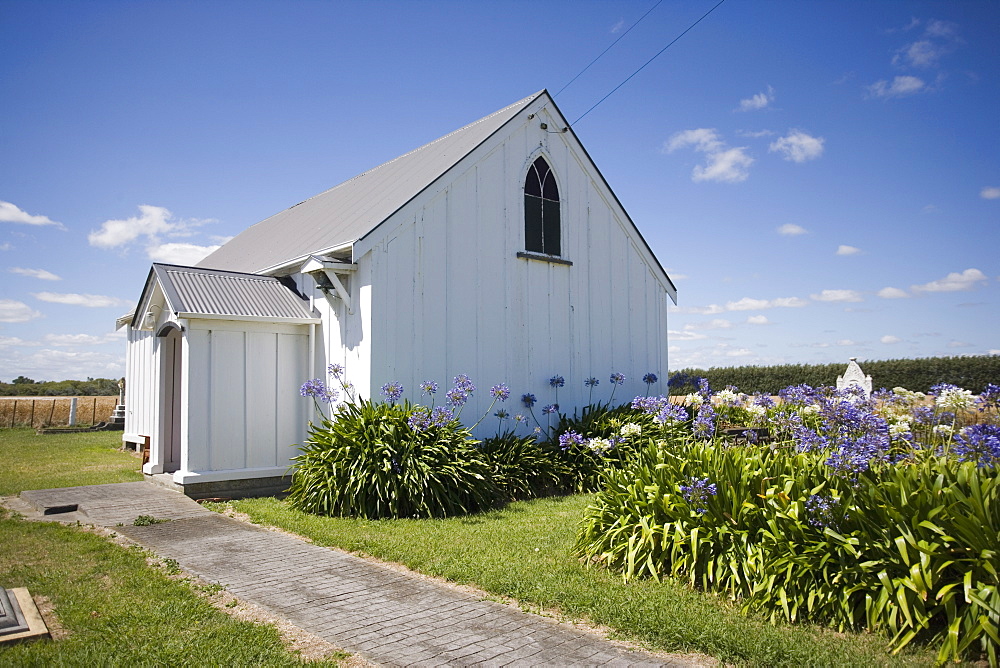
(387, 616)
(109, 505)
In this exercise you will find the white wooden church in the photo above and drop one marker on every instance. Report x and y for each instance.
(497, 251)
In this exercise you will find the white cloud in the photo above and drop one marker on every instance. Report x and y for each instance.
(838, 296)
(35, 273)
(922, 53)
(10, 213)
(15, 341)
(179, 253)
(901, 86)
(990, 192)
(953, 282)
(750, 304)
(54, 364)
(797, 146)
(675, 335)
(757, 320)
(942, 29)
(153, 221)
(847, 250)
(892, 293)
(15, 311)
(716, 323)
(846, 342)
(618, 26)
(723, 164)
(758, 101)
(702, 139)
(737, 352)
(73, 339)
(150, 227)
(74, 299)
(789, 302)
(5, 246)
(889, 338)
(755, 134)
(791, 230)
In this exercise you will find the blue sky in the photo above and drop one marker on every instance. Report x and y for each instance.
(821, 179)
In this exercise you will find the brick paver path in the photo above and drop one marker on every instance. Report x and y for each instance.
(387, 616)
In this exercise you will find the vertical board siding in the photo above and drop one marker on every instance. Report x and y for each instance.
(197, 440)
(448, 294)
(262, 398)
(141, 383)
(228, 400)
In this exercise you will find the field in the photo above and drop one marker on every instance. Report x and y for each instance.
(53, 411)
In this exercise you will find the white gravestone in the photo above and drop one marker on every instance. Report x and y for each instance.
(855, 376)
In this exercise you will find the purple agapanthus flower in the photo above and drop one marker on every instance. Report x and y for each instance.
(318, 390)
(550, 409)
(978, 443)
(696, 493)
(336, 370)
(392, 391)
(464, 383)
(557, 381)
(528, 400)
(591, 382)
(570, 438)
(617, 378)
(501, 392)
(428, 387)
(649, 378)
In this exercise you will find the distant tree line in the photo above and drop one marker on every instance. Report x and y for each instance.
(26, 387)
(919, 375)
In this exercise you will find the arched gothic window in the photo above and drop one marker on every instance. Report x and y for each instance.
(541, 209)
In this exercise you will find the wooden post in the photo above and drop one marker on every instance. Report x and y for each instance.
(52, 412)
(31, 420)
(93, 413)
(13, 414)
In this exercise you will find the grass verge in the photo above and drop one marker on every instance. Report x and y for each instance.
(113, 609)
(31, 461)
(524, 552)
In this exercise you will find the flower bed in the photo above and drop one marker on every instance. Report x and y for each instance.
(879, 514)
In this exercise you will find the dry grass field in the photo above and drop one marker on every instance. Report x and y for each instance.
(53, 411)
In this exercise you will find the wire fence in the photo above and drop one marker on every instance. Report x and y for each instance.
(54, 411)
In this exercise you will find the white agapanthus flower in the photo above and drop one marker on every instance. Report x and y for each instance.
(955, 399)
(631, 429)
(695, 400)
(943, 430)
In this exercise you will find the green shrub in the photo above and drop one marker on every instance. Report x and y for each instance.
(972, 372)
(521, 468)
(368, 462)
(583, 459)
(911, 549)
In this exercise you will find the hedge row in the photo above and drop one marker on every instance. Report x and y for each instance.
(919, 375)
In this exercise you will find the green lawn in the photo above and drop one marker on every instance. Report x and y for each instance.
(30, 461)
(118, 611)
(524, 552)
(113, 608)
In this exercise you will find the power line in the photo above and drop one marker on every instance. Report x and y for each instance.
(649, 61)
(608, 49)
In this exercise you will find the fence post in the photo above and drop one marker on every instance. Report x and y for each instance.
(13, 414)
(31, 420)
(72, 412)
(52, 411)
(93, 413)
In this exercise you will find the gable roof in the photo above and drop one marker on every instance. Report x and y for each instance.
(347, 212)
(192, 292)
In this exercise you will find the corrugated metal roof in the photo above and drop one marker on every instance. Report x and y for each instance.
(349, 211)
(193, 291)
